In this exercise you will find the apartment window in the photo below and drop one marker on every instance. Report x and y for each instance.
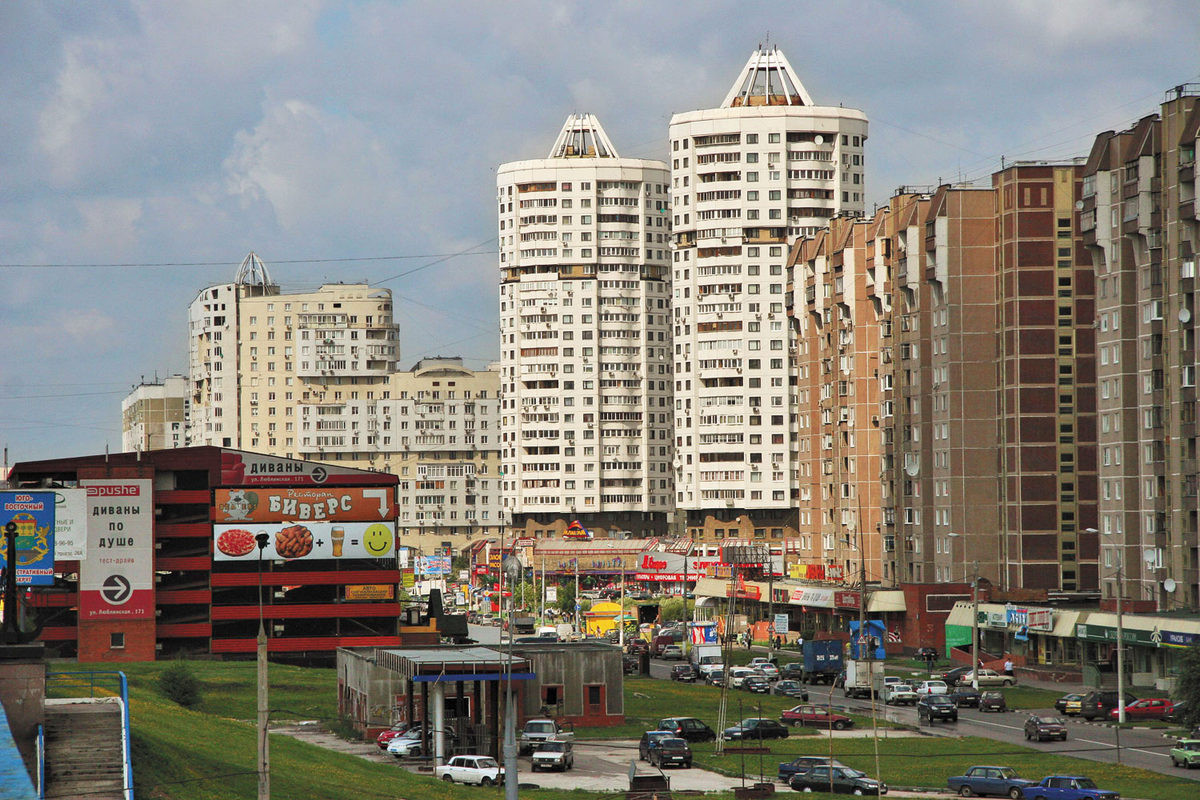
(116, 641)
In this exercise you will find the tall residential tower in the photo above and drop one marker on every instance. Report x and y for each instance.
(747, 179)
(585, 337)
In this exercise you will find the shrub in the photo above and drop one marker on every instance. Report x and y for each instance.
(178, 683)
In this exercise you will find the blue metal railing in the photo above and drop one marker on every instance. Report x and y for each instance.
(41, 763)
(123, 693)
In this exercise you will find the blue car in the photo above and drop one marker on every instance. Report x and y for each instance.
(1068, 787)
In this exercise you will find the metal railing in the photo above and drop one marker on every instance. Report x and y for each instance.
(102, 681)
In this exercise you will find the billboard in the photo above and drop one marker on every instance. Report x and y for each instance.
(31, 515)
(70, 524)
(116, 579)
(291, 541)
(240, 468)
(303, 504)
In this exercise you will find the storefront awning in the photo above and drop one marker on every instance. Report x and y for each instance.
(960, 615)
(885, 600)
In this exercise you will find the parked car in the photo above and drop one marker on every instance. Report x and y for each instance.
(899, 694)
(672, 752)
(932, 687)
(537, 731)
(412, 743)
(553, 755)
(1099, 703)
(985, 781)
(1186, 753)
(650, 740)
(843, 780)
(769, 671)
(790, 688)
(672, 652)
(631, 664)
(1149, 708)
(716, 677)
(637, 645)
(757, 684)
(738, 675)
(804, 763)
(391, 733)
(755, 728)
(481, 770)
(683, 672)
(689, 728)
(1068, 787)
(1069, 703)
(936, 707)
(987, 677)
(815, 717)
(965, 697)
(1177, 711)
(992, 701)
(1042, 728)
(792, 671)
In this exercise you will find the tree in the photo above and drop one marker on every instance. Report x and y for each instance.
(671, 609)
(178, 683)
(1187, 689)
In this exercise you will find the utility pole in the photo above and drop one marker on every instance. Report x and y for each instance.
(264, 749)
(621, 612)
(510, 707)
(975, 627)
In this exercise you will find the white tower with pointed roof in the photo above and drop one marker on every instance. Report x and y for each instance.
(585, 337)
(748, 178)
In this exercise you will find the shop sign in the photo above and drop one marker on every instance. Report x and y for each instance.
(746, 592)
(816, 572)
(70, 524)
(407, 579)
(370, 591)
(300, 504)
(311, 540)
(1105, 633)
(1035, 619)
(239, 468)
(781, 623)
(116, 580)
(31, 515)
(845, 599)
(1176, 639)
(808, 596)
(993, 619)
(481, 570)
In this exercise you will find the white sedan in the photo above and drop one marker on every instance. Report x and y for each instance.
(932, 687)
(482, 770)
(408, 743)
(987, 677)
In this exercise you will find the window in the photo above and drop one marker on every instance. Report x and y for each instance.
(116, 641)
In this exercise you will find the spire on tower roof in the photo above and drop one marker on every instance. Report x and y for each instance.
(582, 137)
(767, 80)
(253, 272)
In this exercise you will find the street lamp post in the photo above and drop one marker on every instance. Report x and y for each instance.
(1120, 632)
(974, 612)
(264, 753)
(511, 565)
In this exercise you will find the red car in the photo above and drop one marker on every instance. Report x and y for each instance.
(386, 737)
(815, 716)
(1150, 708)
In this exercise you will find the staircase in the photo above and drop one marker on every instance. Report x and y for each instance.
(84, 749)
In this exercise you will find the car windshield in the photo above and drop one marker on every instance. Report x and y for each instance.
(1189, 745)
(674, 744)
(1085, 783)
(485, 763)
(901, 687)
(539, 727)
(940, 700)
(552, 747)
(1049, 720)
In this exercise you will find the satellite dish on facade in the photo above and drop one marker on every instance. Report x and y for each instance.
(912, 468)
(1169, 585)
(1079, 205)
(1184, 315)
(819, 139)
(1148, 555)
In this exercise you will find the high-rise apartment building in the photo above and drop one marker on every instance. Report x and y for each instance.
(154, 415)
(314, 376)
(747, 179)
(585, 337)
(1139, 222)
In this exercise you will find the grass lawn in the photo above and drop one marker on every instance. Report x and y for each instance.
(927, 762)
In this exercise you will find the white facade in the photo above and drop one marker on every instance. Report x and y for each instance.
(585, 330)
(747, 180)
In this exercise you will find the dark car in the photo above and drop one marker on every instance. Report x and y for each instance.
(790, 688)
(792, 671)
(816, 716)
(683, 672)
(631, 664)
(932, 707)
(804, 763)
(1099, 703)
(716, 677)
(965, 697)
(689, 728)
(755, 728)
(650, 740)
(992, 701)
(1177, 712)
(1069, 703)
(672, 752)
(926, 654)
(843, 780)
(951, 676)
(1043, 728)
(757, 684)
(637, 646)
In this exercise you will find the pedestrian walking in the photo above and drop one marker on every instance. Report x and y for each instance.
(1008, 667)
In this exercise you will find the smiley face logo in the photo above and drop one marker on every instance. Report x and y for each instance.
(377, 540)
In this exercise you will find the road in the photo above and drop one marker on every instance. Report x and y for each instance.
(1140, 748)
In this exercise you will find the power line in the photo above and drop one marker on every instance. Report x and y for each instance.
(467, 252)
(166, 264)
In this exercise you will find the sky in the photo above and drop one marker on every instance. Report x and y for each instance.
(147, 147)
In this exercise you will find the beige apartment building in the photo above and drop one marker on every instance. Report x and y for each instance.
(1139, 221)
(313, 375)
(154, 415)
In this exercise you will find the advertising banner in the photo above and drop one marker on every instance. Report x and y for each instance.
(781, 623)
(303, 504)
(433, 565)
(817, 598)
(240, 468)
(70, 524)
(31, 514)
(311, 540)
(116, 579)
(370, 591)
